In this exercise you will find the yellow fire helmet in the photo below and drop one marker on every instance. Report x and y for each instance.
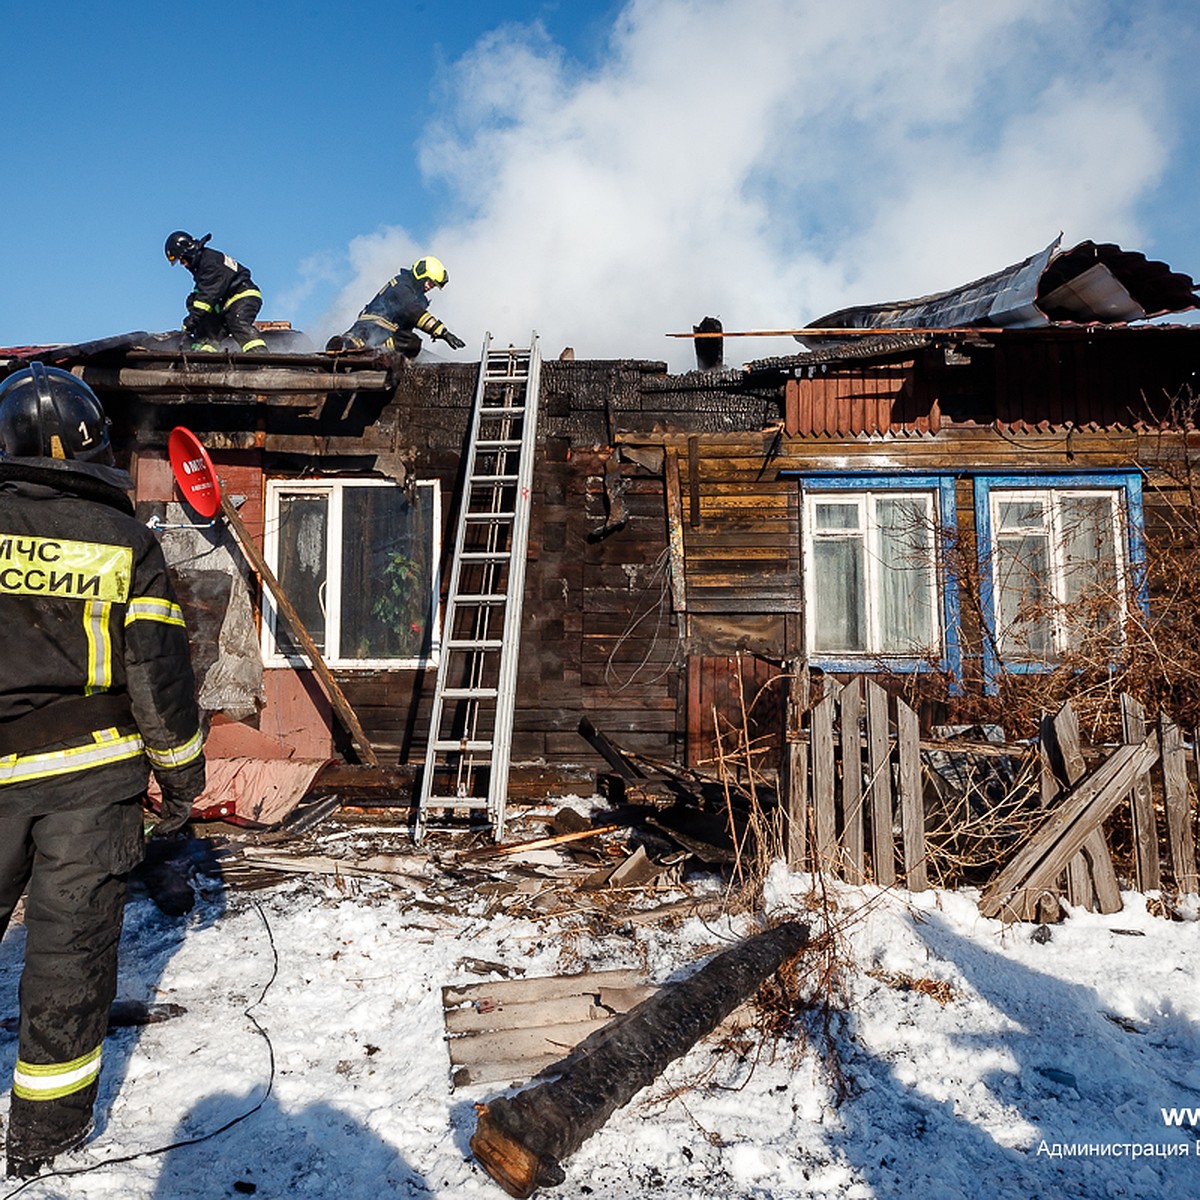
(430, 268)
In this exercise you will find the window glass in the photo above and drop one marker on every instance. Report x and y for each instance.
(840, 613)
(1024, 629)
(836, 516)
(1091, 583)
(385, 573)
(357, 561)
(302, 565)
(905, 583)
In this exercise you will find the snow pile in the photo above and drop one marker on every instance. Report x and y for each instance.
(981, 1061)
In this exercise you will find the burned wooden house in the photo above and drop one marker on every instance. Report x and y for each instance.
(943, 494)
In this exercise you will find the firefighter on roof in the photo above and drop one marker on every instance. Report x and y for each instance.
(400, 307)
(96, 690)
(225, 299)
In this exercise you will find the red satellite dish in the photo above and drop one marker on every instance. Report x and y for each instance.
(194, 472)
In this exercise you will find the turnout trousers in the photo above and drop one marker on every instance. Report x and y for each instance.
(73, 867)
(381, 336)
(235, 318)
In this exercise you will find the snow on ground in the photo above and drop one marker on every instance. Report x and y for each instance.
(311, 1062)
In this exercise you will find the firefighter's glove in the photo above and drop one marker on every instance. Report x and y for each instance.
(181, 787)
(453, 341)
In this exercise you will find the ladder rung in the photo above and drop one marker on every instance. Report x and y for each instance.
(469, 693)
(477, 480)
(476, 747)
(478, 599)
(503, 377)
(497, 443)
(457, 802)
(497, 517)
(484, 556)
(501, 411)
(474, 644)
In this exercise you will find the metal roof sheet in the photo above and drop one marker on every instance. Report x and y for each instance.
(1092, 283)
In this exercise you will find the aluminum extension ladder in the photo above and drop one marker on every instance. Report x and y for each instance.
(470, 724)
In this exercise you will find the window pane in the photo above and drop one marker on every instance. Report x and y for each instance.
(1022, 569)
(831, 515)
(302, 572)
(906, 600)
(1020, 512)
(1089, 564)
(386, 581)
(838, 595)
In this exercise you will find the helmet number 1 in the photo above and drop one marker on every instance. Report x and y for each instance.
(85, 438)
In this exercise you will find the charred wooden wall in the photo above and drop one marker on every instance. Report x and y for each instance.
(599, 635)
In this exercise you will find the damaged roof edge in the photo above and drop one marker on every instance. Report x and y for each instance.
(1092, 283)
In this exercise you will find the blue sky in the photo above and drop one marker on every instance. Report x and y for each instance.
(604, 173)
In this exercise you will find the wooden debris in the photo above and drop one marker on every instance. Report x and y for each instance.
(508, 1031)
(1181, 843)
(1014, 890)
(1141, 803)
(559, 839)
(407, 870)
(1090, 874)
(521, 1141)
(635, 870)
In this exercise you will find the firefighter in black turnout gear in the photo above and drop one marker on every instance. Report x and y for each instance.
(400, 307)
(225, 298)
(96, 689)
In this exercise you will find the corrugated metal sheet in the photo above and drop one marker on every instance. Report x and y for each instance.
(1094, 379)
(1092, 283)
(861, 401)
(1118, 377)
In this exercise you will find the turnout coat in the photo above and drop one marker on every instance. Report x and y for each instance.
(97, 686)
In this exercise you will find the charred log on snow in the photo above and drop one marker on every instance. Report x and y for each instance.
(521, 1140)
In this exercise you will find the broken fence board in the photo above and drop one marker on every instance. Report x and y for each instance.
(796, 774)
(910, 797)
(555, 1010)
(522, 1044)
(853, 793)
(1062, 835)
(515, 991)
(1091, 879)
(1181, 843)
(795, 765)
(1062, 749)
(823, 770)
(879, 783)
(506, 1071)
(1141, 803)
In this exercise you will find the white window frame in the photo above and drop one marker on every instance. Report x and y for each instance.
(864, 495)
(335, 490)
(1051, 529)
(1125, 488)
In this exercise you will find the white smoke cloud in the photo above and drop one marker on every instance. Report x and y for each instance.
(767, 161)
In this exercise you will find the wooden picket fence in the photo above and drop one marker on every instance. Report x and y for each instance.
(855, 785)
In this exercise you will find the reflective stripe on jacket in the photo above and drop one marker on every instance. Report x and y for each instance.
(87, 609)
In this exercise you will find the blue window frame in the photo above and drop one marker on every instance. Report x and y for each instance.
(876, 592)
(1061, 562)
